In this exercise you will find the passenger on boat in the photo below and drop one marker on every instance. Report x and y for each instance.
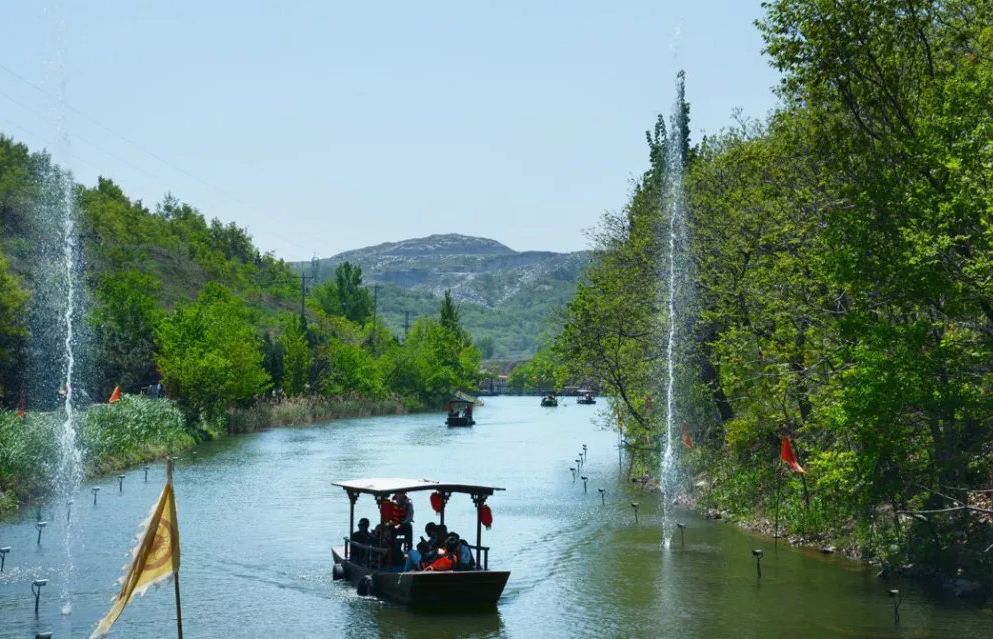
(464, 559)
(416, 555)
(403, 518)
(362, 536)
(446, 557)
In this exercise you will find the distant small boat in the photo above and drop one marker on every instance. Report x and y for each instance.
(460, 413)
(586, 397)
(549, 400)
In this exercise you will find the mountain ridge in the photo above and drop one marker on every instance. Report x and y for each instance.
(505, 295)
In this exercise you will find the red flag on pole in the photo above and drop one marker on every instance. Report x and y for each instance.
(687, 440)
(787, 456)
(115, 396)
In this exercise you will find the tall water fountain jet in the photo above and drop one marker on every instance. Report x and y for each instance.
(56, 318)
(673, 209)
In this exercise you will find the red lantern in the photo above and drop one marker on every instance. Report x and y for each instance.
(385, 511)
(436, 502)
(486, 516)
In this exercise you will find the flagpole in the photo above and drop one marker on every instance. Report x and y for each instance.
(175, 577)
(179, 607)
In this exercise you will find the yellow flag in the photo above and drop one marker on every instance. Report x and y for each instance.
(154, 559)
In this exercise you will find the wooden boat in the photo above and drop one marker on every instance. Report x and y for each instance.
(586, 397)
(460, 413)
(549, 400)
(478, 586)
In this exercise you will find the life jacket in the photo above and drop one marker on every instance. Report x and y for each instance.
(399, 513)
(445, 561)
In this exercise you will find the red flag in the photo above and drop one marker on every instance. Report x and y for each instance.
(115, 396)
(787, 456)
(687, 440)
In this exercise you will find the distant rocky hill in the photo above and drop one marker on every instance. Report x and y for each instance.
(504, 294)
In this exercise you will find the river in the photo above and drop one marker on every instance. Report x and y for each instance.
(258, 514)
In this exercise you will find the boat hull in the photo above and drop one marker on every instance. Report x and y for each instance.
(464, 588)
(460, 421)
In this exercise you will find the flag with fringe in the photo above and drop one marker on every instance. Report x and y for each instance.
(154, 560)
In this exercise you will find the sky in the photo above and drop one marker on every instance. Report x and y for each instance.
(326, 126)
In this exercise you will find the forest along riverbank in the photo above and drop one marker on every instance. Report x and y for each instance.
(138, 429)
(580, 567)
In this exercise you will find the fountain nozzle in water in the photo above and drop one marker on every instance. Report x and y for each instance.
(3, 556)
(682, 537)
(634, 505)
(40, 525)
(120, 484)
(895, 595)
(584, 478)
(36, 587)
(757, 553)
(95, 490)
(602, 492)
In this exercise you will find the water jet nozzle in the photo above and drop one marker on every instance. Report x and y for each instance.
(682, 537)
(120, 484)
(602, 493)
(634, 505)
(36, 587)
(95, 490)
(146, 474)
(3, 556)
(895, 595)
(757, 553)
(584, 478)
(573, 469)
(40, 525)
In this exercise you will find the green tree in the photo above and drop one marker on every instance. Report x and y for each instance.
(296, 358)
(13, 331)
(345, 296)
(209, 353)
(124, 328)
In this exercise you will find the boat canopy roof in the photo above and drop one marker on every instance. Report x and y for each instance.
(382, 486)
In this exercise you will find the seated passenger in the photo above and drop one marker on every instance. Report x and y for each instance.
(417, 555)
(464, 560)
(363, 536)
(446, 557)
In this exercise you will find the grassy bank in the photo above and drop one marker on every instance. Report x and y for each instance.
(308, 410)
(110, 437)
(138, 429)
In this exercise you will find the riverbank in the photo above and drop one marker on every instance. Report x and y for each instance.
(967, 581)
(137, 429)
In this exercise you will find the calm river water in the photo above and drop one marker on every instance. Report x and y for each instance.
(258, 514)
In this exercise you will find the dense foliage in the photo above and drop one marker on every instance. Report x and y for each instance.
(842, 268)
(165, 296)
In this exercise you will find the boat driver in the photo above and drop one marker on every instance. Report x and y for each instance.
(403, 517)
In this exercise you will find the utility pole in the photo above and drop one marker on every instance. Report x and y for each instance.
(303, 300)
(375, 308)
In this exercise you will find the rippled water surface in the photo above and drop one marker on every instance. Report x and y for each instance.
(258, 514)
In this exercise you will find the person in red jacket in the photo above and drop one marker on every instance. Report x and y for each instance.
(446, 558)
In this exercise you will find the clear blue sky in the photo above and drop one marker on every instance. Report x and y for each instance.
(325, 126)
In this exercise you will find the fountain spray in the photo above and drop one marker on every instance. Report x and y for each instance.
(673, 205)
